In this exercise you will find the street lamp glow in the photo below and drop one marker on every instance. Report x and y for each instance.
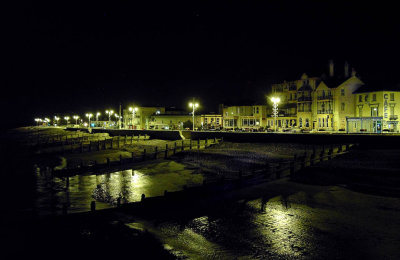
(76, 119)
(109, 112)
(56, 118)
(133, 110)
(193, 105)
(67, 119)
(275, 101)
(97, 116)
(89, 115)
(37, 121)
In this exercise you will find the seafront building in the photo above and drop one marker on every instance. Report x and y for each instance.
(249, 118)
(376, 111)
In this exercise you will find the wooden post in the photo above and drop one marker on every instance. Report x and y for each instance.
(133, 156)
(118, 141)
(131, 139)
(303, 162)
(126, 137)
(166, 151)
(90, 146)
(278, 170)
(155, 152)
(183, 145)
(143, 197)
(340, 148)
(198, 144)
(112, 141)
(312, 158)
(215, 140)
(291, 168)
(120, 159)
(108, 162)
(190, 147)
(205, 143)
(175, 148)
(144, 154)
(93, 206)
(138, 138)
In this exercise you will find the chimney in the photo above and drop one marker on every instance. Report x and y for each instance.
(353, 72)
(331, 68)
(346, 69)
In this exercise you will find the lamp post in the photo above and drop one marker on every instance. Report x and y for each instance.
(109, 112)
(37, 121)
(133, 110)
(56, 118)
(67, 119)
(97, 116)
(194, 106)
(89, 115)
(116, 116)
(275, 101)
(76, 119)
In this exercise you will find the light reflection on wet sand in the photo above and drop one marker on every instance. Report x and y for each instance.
(150, 179)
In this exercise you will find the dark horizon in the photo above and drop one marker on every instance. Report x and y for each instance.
(76, 58)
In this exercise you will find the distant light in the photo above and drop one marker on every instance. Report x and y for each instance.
(275, 100)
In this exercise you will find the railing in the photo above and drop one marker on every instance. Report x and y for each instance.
(304, 98)
(304, 110)
(325, 111)
(393, 117)
(325, 97)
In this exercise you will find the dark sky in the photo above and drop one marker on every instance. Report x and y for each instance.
(73, 57)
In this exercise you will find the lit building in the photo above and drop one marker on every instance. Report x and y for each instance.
(376, 111)
(211, 121)
(316, 103)
(140, 118)
(247, 118)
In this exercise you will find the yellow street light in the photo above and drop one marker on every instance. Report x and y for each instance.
(67, 119)
(133, 110)
(275, 101)
(89, 115)
(193, 105)
(97, 116)
(109, 112)
(76, 119)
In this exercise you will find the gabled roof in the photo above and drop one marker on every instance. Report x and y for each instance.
(305, 87)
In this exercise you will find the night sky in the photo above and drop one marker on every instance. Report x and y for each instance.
(74, 58)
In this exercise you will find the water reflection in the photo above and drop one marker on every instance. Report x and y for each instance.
(242, 230)
(76, 193)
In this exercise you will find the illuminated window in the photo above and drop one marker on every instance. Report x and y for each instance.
(374, 111)
(366, 98)
(300, 122)
(257, 110)
(342, 92)
(307, 122)
(360, 98)
(391, 96)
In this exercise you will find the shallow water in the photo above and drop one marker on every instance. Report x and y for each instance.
(321, 226)
(150, 179)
